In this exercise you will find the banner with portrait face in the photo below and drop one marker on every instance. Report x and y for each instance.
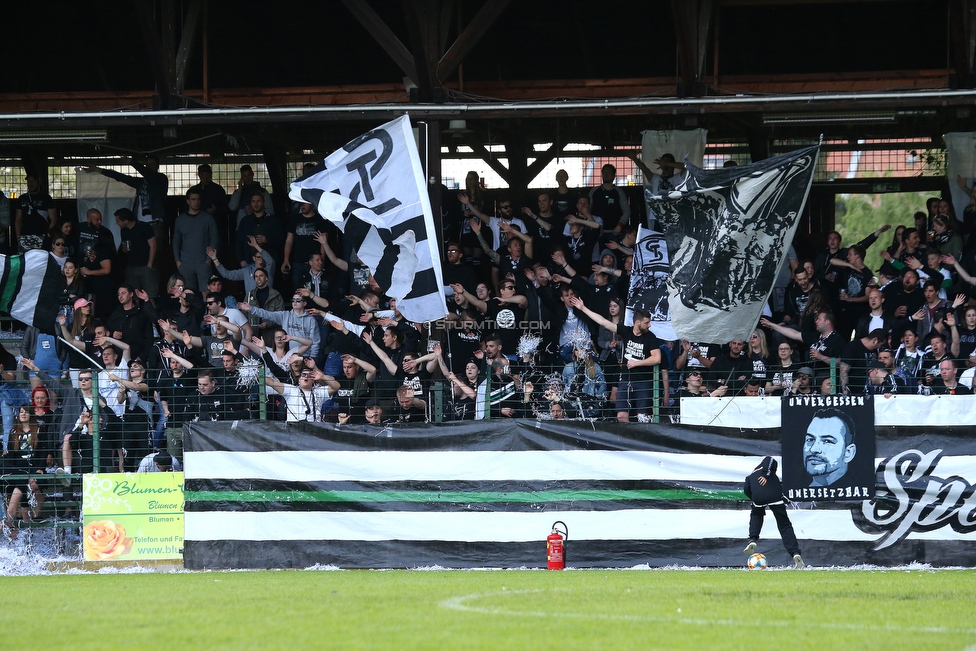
(828, 448)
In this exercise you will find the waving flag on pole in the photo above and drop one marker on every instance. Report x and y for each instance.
(374, 190)
(727, 232)
(649, 283)
(30, 289)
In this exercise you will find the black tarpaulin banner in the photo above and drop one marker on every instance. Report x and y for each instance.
(265, 495)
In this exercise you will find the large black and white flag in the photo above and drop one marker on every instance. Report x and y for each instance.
(31, 286)
(374, 189)
(649, 283)
(728, 231)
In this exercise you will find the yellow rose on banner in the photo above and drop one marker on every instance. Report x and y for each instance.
(105, 540)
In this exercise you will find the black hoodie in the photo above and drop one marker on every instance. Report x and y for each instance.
(768, 492)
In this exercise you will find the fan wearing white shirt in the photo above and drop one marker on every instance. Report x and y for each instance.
(304, 402)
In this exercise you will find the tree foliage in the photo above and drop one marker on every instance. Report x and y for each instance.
(859, 215)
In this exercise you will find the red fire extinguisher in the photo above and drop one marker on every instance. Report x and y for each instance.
(556, 546)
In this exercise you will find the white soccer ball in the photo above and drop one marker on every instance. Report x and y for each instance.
(757, 562)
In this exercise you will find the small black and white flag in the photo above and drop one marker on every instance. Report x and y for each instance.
(728, 231)
(374, 189)
(649, 283)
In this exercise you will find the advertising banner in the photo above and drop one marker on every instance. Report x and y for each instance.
(133, 516)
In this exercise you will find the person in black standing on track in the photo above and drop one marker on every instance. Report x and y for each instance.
(765, 490)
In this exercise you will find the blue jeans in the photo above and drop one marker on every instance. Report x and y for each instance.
(11, 398)
(159, 431)
(321, 359)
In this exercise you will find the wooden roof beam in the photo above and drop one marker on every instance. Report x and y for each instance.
(542, 159)
(962, 41)
(490, 160)
(692, 21)
(424, 25)
(470, 37)
(169, 61)
(191, 26)
(384, 36)
(158, 60)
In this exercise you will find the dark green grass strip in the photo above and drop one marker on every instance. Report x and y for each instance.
(459, 497)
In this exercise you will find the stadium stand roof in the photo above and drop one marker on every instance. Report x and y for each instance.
(293, 80)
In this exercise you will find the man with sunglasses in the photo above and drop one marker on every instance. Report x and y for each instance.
(75, 403)
(505, 216)
(504, 314)
(296, 321)
(455, 271)
(802, 383)
(305, 401)
(695, 387)
(217, 307)
(59, 249)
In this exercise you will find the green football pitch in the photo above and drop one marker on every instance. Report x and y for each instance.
(592, 609)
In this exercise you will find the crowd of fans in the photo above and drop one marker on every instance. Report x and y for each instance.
(536, 294)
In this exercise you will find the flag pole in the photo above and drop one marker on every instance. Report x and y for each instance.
(82, 353)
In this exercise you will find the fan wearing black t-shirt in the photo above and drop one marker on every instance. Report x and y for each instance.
(856, 359)
(300, 242)
(641, 353)
(824, 343)
(578, 246)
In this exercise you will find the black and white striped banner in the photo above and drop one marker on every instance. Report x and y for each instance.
(374, 189)
(486, 495)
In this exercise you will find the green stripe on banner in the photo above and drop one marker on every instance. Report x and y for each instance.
(458, 497)
(14, 268)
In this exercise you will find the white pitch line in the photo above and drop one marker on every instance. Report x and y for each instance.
(460, 604)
